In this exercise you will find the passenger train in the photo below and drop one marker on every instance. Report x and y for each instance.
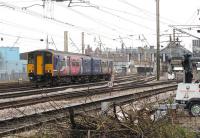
(53, 67)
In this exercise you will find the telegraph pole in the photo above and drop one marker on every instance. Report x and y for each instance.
(158, 37)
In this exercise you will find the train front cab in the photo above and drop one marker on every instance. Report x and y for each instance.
(40, 66)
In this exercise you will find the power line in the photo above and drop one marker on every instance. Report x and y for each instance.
(110, 27)
(192, 18)
(93, 19)
(184, 32)
(73, 44)
(24, 37)
(8, 23)
(32, 13)
(125, 19)
(16, 8)
(147, 17)
(143, 10)
(120, 17)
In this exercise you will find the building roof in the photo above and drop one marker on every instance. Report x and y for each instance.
(174, 49)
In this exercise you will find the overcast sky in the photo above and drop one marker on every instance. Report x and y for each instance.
(104, 20)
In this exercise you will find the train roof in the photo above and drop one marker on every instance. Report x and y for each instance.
(69, 53)
(58, 52)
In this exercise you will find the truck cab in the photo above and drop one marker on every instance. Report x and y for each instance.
(188, 95)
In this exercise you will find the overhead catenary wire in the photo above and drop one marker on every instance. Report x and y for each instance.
(192, 18)
(147, 17)
(144, 10)
(87, 29)
(122, 18)
(126, 19)
(73, 44)
(15, 8)
(53, 20)
(94, 20)
(9, 23)
(23, 37)
(92, 5)
(107, 25)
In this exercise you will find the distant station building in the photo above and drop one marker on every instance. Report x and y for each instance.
(173, 50)
(196, 48)
(11, 67)
(121, 60)
(138, 60)
(144, 59)
(171, 58)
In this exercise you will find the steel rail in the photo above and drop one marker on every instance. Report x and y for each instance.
(13, 87)
(27, 122)
(70, 95)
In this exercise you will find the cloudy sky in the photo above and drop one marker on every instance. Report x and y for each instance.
(23, 23)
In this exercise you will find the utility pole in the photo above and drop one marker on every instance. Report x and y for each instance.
(66, 41)
(83, 43)
(158, 37)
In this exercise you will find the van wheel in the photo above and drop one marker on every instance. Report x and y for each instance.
(194, 109)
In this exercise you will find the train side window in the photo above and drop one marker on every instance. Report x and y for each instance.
(73, 63)
(77, 64)
(63, 63)
(30, 59)
(48, 58)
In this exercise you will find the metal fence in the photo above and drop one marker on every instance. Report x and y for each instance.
(13, 77)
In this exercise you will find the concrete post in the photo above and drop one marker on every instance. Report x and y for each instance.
(66, 41)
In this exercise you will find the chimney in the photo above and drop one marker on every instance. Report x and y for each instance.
(66, 41)
(83, 43)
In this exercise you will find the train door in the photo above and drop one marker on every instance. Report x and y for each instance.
(83, 65)
(69, 65)
(39, 64)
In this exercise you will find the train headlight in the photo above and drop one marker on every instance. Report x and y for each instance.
(31, 71)
(48, 71)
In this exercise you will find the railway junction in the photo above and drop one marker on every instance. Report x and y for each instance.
(27, 109)
(99, 69)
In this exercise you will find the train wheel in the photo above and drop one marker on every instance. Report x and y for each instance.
(55, 82)
(36, 85)
(194, 109)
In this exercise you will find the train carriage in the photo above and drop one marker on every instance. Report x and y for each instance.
(52, 66)
(96, 66)
(40, 65)
(75, 65)
(86, 65)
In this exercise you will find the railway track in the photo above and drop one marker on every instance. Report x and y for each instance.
(15, 94)
(25, 86)
(45, 95)
(30, 121)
